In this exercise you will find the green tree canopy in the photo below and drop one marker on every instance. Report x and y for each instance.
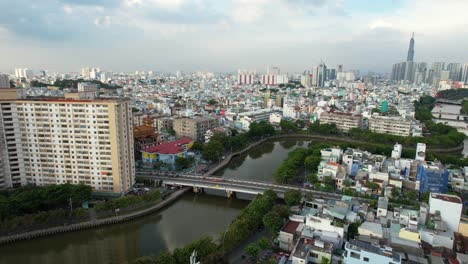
(252, 250)
(292, 197)
(273, 222)
(213, 150)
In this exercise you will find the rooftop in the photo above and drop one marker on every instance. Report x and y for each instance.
(305, 245)
(446, 197)
(290, 227)
(364, 246)
(172, 147)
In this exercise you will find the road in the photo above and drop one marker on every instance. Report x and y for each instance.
(254, 187)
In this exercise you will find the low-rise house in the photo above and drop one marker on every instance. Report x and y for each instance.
(311, 250)
(167, 152)
(359, 252)
(289, 234)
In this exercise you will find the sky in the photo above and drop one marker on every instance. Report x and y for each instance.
(225, 35)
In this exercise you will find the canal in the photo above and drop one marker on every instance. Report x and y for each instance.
(187, 219)
(261, 162)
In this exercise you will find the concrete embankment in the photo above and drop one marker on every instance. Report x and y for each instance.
(94, 223)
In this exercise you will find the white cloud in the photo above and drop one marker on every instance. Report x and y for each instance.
(247, 12)
(67, 9)
(102, 21)
(171, 5)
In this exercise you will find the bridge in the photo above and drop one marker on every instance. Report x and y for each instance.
(232, 186)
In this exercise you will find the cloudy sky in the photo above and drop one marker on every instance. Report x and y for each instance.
(224, 35)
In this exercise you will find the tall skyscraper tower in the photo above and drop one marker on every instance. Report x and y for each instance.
(411, 49)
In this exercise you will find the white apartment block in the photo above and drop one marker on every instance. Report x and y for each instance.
(57, 140)
(390, 125)
(343, 121)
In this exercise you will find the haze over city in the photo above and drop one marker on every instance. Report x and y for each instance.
(233, 132)
(222, 36)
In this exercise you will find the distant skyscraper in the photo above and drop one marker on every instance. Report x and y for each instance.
(340, 68)
(437, 68)
(319, 75)
(273, 71)
(398, 71)
(411, 49)
(23, 73)
(4, 81)
(464, 77)
(455, 70)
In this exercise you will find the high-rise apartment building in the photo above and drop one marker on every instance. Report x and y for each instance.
(67, 140)
(245, 77)
(455, 70)
(23, 73)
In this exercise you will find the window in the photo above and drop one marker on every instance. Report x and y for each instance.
(366, 259)
(313, 255)
(355, 255)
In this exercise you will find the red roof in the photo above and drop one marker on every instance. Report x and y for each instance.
(172, 147)
(291, 227)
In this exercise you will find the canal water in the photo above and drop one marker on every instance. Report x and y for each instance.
(187, 219)
(261, 162)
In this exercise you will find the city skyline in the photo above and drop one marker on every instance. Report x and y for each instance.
(166, 36)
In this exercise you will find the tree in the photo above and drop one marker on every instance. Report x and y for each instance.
(292, 197)
(353, 230)
(165, 258)
(182, 163)
(213, 150)
(282, 211)
(312, 178)
(197, 146)
(328, 180)
(311, 163)
(273, 222)
(395, 192)
(411, 195)
(425, 197)
(287, 125)
(215, 258)
(222, 138)
(263, 243)
(171, 131)
(347, 182)
(239, 141)
(252, 250)
(372, 185)
(268, 261)
(324, 260)
(212, 102)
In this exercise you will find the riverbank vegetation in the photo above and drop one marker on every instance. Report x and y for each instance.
(32, 199)
(127, 201)
(212, 252)
(290, 167)
(221, 143)
(33, 207)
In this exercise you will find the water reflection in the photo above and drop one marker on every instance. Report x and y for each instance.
(187, 219)
(260, 162)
